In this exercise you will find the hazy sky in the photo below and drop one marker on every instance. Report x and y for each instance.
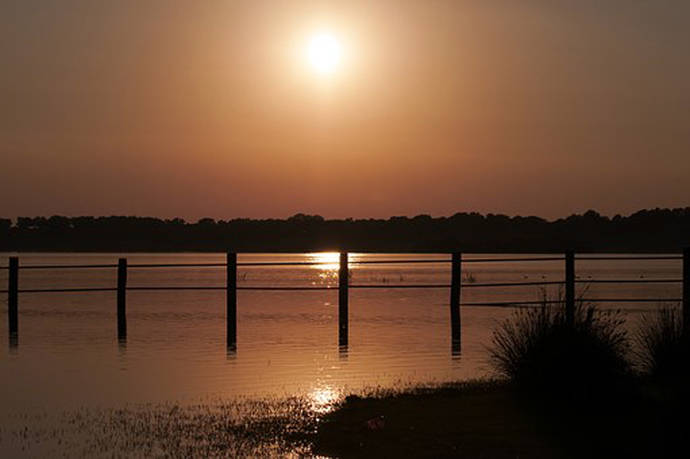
(210, 108)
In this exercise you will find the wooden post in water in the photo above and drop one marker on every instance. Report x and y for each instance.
(231, 300)
(343, 284)
(122, 299)
(455, 283)
(686, 290)
(570, 287)
(13, 299)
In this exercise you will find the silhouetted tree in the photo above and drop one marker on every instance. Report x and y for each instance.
(644, 231)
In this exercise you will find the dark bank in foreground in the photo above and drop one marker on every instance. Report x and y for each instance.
(499, 420)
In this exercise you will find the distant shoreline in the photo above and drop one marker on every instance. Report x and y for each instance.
(645, 231)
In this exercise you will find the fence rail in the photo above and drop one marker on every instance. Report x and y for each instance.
(456, 286)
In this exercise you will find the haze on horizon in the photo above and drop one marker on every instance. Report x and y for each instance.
(192, 109)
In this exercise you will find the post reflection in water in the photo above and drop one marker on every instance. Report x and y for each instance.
(122, 345)
(456, 349)
(343, 352)
(14, 342)
(231, 352)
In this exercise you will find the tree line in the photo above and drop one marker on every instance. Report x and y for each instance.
(653, 230)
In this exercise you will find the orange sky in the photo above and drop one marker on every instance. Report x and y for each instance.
(191, 109)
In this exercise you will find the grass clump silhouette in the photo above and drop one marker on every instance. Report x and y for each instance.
(539, 350)
(663, 354)
(663, 348)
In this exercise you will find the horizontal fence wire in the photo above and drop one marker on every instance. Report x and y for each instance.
(175, 265)
(626, 258)
(67, 266)
(510, 284)
(335, 262)
(513, 303)
(173, 287)
(399, 286)
(591, 300)
(503, 260)
(334, 287)
(628, 281)
(288, 288)
(162, 288)
(631, 300)
(387, 262)
(403, 261)
(351, 262)
(468, 285)
(64, 290)
(289, 263)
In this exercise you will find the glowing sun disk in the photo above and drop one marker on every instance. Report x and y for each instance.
(324, 53)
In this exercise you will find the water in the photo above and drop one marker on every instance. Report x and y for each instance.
(68, 355)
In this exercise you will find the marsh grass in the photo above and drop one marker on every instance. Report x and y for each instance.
(662, 349)
(536, 348)
(245, 428)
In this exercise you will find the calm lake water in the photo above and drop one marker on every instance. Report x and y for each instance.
(68, 354)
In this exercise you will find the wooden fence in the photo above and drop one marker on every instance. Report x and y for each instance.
(456, 286)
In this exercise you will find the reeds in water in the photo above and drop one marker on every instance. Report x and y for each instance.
(662, 347)
(539, 349)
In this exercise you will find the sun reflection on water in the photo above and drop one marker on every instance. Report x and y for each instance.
(328, 266)
(327, 261)
(323, 399)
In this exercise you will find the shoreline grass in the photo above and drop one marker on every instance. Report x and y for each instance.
(663, 347)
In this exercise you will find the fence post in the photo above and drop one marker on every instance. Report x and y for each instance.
(343, 284)
(455, 283)
(122, 299)
(231, 300)
(13, 299)
(570, 287)
(686, 290)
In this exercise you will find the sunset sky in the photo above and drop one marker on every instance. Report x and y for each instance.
(216, 108)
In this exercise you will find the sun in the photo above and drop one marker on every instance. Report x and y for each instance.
(324, 53)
